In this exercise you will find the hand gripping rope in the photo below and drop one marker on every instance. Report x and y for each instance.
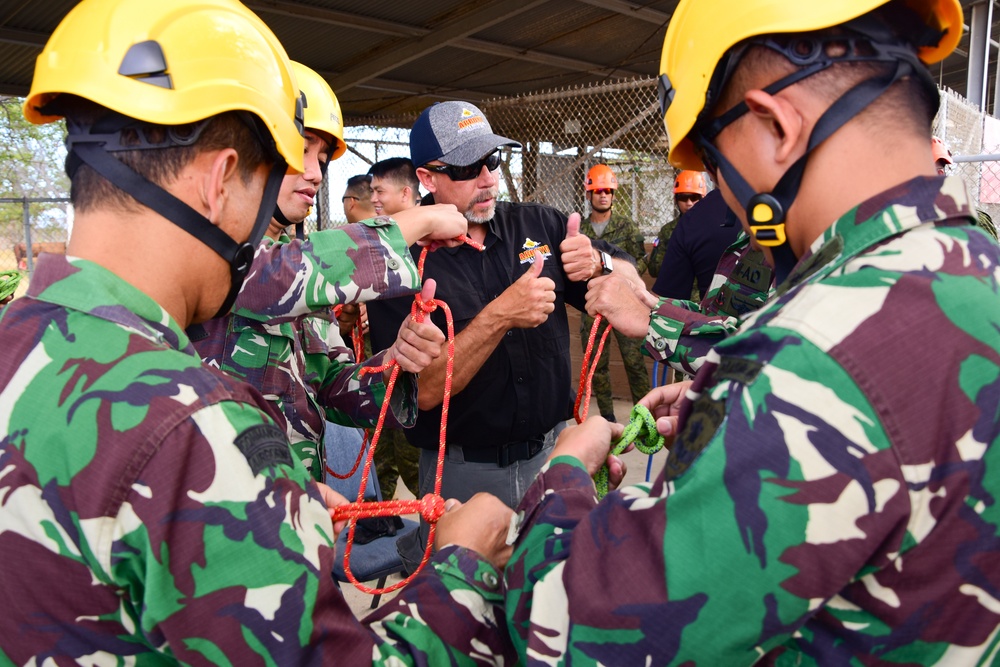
(641, 428)
(9, 280)
(431, 506)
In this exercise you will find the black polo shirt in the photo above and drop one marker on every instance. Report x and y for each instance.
(526, 386)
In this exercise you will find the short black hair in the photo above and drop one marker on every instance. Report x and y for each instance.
(359, 186)
(89, 190)
(399, 170)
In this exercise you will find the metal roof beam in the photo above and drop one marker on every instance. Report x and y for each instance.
(391, 28)
(630, 9)
(419, 89)
(444, 35)
(504, 51)
(23, 37)
(335, 17)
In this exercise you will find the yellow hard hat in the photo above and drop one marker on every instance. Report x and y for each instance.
(322, 109)
(171, 63)
(702, 31)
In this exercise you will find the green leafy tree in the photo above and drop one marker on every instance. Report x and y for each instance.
(31, 165)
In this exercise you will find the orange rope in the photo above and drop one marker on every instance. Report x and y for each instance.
(587, 377)
(431, 506)
(358, 341)
(357, 333)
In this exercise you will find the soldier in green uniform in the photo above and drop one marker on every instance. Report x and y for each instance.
(152, 512)
(267, 347)
(830, 497)
(689, 188)
(617, 228)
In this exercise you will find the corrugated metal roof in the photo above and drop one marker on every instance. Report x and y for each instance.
(396, 56)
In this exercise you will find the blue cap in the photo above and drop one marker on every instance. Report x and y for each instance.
(455, 133)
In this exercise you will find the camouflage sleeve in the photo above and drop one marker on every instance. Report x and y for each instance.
(776, 482)
(985, 222)
(627, 236)
(348, 396)
(640, 252)
(225, 556)
(660, 247)
(358, 262)
(635, 246)
(681, 334)
(461, 590)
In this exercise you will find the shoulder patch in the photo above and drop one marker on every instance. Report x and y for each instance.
(264, 446)
(738, 369)
(706, 417)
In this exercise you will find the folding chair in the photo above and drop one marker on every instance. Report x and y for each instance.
(378, 559)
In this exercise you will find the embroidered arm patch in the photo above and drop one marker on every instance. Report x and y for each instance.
(263, 446)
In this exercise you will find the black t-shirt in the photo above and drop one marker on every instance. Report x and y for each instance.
(525, 387)
(701, 237)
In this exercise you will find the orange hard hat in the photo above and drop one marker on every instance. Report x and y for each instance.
(940, 151)
(600, 176)
(692, 182)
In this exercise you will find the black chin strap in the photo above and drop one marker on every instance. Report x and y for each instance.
(238, 256)
(300, 227)
(767, 211)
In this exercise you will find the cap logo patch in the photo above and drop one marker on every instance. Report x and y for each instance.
(471, 121)
(527, 255)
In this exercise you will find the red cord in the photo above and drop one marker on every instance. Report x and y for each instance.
(587, 378)
(357, 338)
(431, 506)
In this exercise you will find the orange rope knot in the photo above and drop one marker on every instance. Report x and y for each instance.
(432, 507)
(420, 308)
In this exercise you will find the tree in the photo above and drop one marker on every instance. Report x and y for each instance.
(31, 165)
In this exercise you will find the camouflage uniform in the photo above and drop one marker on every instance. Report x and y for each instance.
(824, 503)
(682, 332)
(660, 246)
(984, 220)
(266, 340)
(395, 457)
(181, 527)
(624, 233)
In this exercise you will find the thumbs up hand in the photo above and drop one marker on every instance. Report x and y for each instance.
(529, 300)
(578, 258)
(573, 225)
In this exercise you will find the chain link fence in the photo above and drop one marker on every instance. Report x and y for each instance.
(566, 131)
(973, 138)
(563, 133)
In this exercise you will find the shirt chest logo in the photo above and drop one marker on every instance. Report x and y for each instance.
(527, 254)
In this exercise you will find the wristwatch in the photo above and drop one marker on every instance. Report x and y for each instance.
(606, 265)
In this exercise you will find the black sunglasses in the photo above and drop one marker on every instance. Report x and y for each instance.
(468, 172)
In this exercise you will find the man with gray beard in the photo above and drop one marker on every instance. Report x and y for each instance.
(512, 386)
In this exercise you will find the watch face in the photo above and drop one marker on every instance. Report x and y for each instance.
(606, 264)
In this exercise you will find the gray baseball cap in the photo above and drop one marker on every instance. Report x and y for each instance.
(456, 133)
